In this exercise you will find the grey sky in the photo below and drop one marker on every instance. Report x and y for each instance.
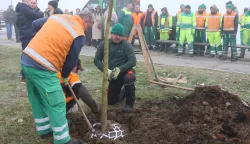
(173, 6)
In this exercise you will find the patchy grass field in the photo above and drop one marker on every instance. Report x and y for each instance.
(15, 106)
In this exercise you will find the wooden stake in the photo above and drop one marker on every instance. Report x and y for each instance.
(173, 86)
(105, 69)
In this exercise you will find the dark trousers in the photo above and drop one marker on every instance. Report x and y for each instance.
(86, 97)
(115, 86)
(17, 33)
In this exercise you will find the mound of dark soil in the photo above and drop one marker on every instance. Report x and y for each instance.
(207, 116)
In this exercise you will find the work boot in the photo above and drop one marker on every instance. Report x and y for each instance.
(234, 59)
(23, 80)
(127, 109)
(241, 56)
(75, 141)
(211, 56)
(49, 135)
(179, 54)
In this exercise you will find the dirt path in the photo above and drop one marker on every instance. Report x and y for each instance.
(241, 66)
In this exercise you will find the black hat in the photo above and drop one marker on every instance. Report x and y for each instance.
(150, 5)
(53, 3)
(79, 66)
(188, 7)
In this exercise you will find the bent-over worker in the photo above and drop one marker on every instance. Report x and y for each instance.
(55, 47)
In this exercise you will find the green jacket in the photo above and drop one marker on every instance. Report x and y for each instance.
(121, 55)
(125, 17)
(186, 21)
(245, 22)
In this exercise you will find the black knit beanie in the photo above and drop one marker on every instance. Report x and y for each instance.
(53, 3)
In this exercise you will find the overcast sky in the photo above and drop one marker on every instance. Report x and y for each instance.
(172, 5)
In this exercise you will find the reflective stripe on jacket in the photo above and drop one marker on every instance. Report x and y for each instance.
(213, 22)
(200, 20)
(53, 41)
(228, 24)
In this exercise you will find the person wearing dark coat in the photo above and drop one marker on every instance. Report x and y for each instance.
(8, 17)
(53, 8)
(26, 15)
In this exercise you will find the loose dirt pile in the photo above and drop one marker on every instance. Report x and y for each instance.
(207, 116)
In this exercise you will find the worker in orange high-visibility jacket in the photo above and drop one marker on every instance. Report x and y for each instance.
(230, 22)
(55, 47)
(79, 89)
(137, 16)
(200, 32)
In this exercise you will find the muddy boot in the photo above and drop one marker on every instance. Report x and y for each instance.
(75, 141)
(127, 109)
(179, 54)
(241, 55)
(234, 59)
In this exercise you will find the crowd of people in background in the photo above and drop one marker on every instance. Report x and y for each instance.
(186, 27)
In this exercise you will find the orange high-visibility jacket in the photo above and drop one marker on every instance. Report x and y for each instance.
(137, 19)
(213, 22)
(52, 43)
(228, 24)
(200, 20)
(73, 80)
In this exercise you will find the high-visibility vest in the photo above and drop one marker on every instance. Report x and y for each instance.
(179, 13)
(228, 24)
(245, 22)
(166, 22)
(73, 79)
(186, 21)
(52, 43)
(137, 17)
(200, 20)
(213, 22)
(152, 17)
(127, 12)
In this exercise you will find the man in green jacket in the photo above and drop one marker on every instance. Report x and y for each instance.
(245, 31)
(120, 68)
(125, 18)
(186, 25)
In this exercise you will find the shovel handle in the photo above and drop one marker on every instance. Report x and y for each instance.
(84, 115)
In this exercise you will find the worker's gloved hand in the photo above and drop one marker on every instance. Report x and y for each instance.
(115, 73)
(65, 81)
(109, 74)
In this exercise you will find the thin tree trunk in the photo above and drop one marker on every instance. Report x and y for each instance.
(105, 69)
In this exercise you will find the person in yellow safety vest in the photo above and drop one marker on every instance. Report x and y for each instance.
(186, 26)
(55, 47)
(200, 32)
(165, 23)
(242, 54)
(79, 89)
(125, 18)
(213, 26)
(182, 9)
